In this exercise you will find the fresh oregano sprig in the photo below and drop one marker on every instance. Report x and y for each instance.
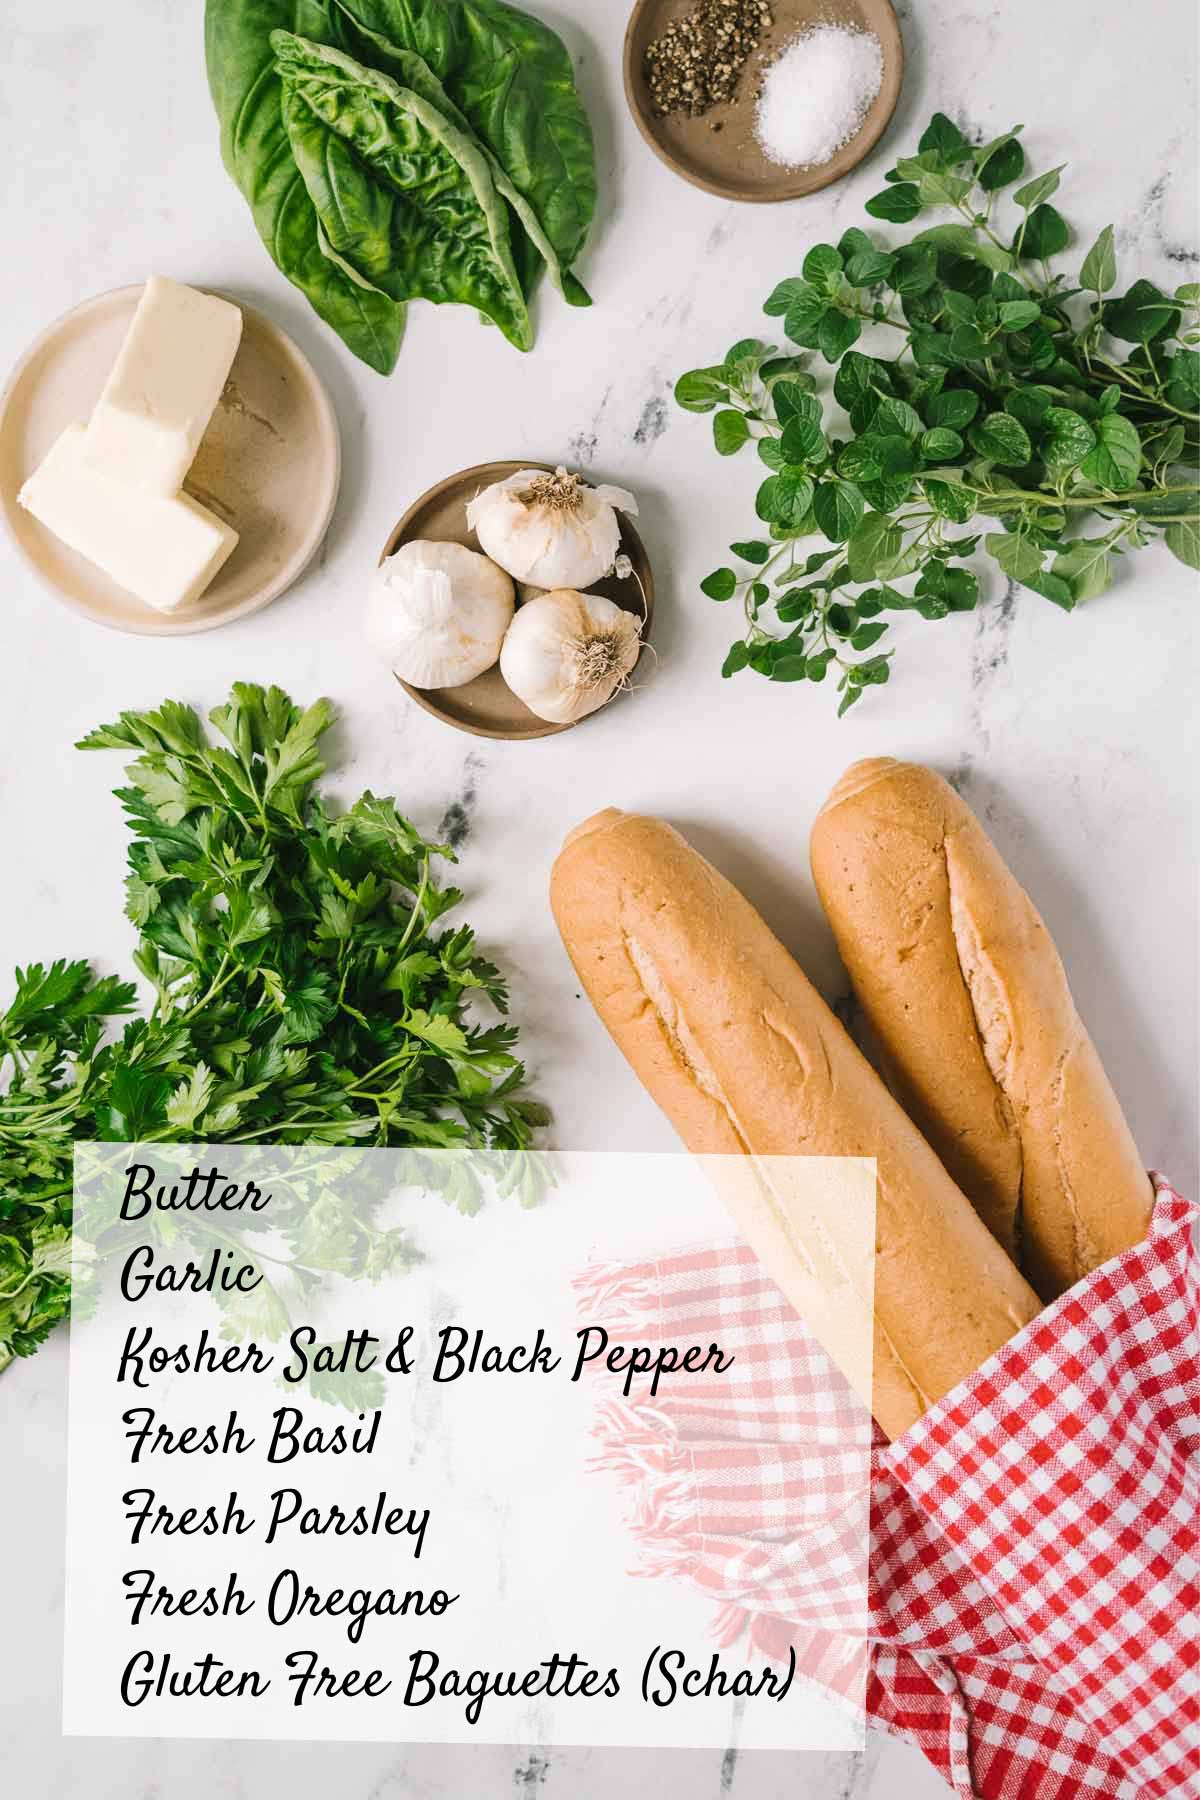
(1005, 402)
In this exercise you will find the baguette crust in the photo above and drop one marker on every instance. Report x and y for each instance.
(746, 1059)
(967, 998)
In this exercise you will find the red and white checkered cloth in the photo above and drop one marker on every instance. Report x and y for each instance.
(1030, 1616)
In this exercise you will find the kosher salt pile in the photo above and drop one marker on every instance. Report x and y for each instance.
(816, 94)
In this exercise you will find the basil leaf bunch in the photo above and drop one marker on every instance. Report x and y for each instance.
(1013, 406)
(304, 991)
(393, 150)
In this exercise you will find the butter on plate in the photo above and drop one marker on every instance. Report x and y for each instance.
(165, 548)
(164, 386)
(112, 490)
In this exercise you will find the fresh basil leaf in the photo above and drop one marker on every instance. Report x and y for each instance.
(333, 105)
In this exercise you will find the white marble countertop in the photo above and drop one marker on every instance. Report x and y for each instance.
(1069, 734)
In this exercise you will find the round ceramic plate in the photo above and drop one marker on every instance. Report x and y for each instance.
(718, 151)
(268, 465)
(487, 706)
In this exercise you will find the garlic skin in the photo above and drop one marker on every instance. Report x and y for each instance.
(552, 531)
(566, 654)
(437, 613)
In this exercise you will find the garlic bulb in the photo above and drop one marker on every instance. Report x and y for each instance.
(567, 653)
(551, 530)
(437, 613)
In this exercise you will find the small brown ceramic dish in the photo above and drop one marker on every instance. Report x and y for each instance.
(268, 465)
(718, 151)
(487, 706)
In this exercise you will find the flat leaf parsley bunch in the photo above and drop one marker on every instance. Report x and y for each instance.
(302, 994)
(1008, 403)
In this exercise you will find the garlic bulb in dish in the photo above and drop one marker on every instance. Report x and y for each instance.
(553, 531)
(437, 613)
(567, 653)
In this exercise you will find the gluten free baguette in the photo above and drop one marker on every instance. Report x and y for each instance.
(967, 999)
(746, 1060)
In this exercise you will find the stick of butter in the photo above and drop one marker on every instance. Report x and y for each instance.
(164, 386)
(163, 548)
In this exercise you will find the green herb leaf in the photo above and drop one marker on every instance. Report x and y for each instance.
(953, 407)
(837, 506)
(942, 136)
(1087, 565)
(1002, 439)
(1099, 271)
(1000, 162)
(874, 540)
(1039, 189)
(730, 432)
(752, 551)
(1115, 461)
(1183, 541)
(1069, 441)
(702, 389)
(1141, 315)
(720, 585)
(836, 333)
(898, 203)
(1046, 233)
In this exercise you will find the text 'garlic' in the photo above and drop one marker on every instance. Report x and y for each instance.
(567, 653)
(437, 613)
(551, 530)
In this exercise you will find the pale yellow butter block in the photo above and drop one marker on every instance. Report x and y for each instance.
(164, 549)
(164, 386)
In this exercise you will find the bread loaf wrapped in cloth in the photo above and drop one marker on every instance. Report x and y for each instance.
(968, 1002)
(744, 1057)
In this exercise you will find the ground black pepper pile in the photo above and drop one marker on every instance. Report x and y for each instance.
(698, 59)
